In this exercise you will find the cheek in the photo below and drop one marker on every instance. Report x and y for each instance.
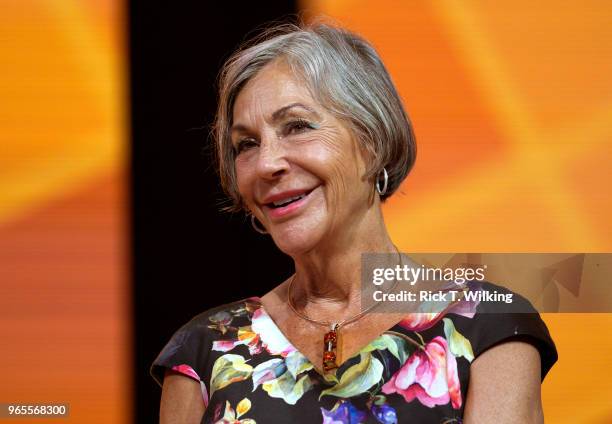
(244, 176)
(342, 165)
(328, 154)
(332, 161)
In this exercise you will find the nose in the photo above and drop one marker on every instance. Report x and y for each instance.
(272, 160)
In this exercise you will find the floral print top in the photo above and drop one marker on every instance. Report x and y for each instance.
(417, 371)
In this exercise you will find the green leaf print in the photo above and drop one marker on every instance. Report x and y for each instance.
(458, 344)
(229, 369)
(358, 378)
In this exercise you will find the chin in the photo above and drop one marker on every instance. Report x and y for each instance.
(296, 239)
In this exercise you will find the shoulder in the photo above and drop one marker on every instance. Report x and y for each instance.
(218, 317)
(501, 315)
(188, 349)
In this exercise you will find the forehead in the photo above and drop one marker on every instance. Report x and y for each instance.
(273, 87)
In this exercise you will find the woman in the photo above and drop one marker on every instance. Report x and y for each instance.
(311, 139)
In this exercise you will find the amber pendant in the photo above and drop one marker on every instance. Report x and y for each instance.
(330, 341)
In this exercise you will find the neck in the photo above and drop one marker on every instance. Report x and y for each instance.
(328, 278)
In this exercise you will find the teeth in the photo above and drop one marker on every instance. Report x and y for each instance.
(289, 200)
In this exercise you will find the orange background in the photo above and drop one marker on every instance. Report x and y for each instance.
(511, 103)
(65, 321)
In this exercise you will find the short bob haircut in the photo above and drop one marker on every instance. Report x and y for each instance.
(344, 74)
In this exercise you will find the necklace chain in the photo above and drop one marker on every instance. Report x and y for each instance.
(336, 325)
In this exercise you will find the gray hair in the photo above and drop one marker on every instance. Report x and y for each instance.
(344, 74)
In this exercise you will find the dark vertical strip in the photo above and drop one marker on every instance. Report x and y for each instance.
(187, 256)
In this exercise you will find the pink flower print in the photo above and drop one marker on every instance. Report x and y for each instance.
(430, 375)
(270, 335)
(245, 336)
(186, 370)
(420, 321)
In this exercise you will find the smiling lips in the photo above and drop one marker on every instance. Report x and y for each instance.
(282, 204)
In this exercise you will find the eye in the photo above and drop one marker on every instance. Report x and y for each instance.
(244, 144)
(298, 126)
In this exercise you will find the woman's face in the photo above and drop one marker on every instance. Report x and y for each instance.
(299, 170)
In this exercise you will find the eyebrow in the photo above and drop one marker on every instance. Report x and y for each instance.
(283, 110)
(280, 113)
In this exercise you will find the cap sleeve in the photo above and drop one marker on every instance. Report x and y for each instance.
(497, 322)
(187, 353)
